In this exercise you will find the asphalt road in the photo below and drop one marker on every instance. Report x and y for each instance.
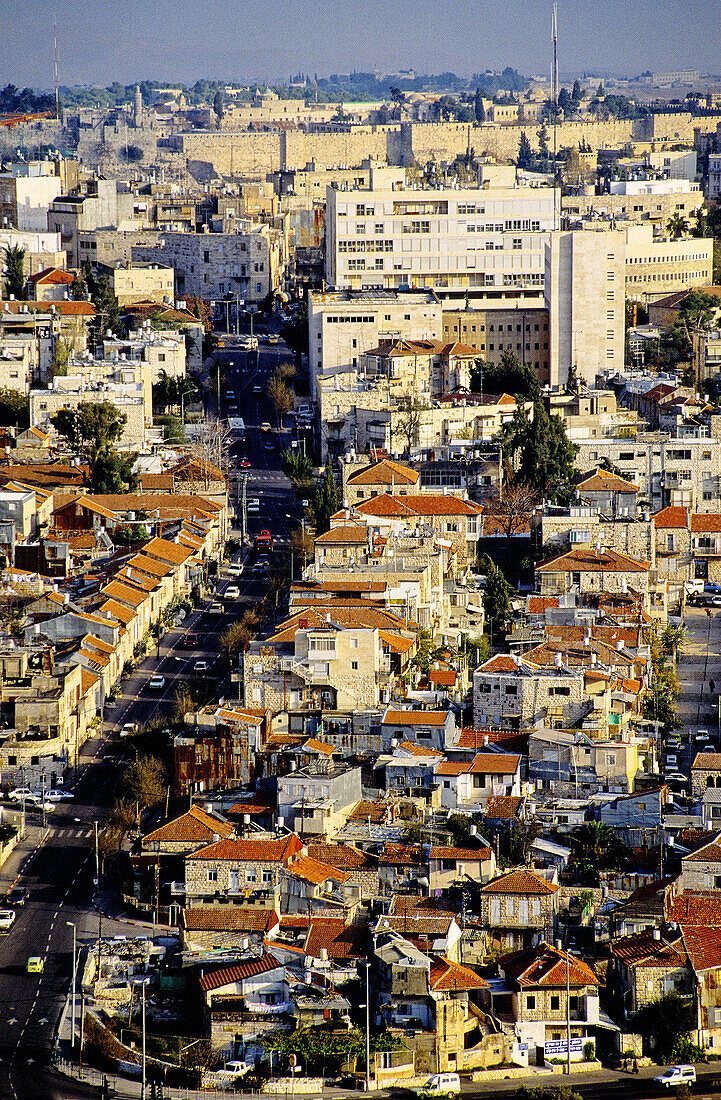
(59, 872)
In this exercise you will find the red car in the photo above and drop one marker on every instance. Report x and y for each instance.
(244, 463)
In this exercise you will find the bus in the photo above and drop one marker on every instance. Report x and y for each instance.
(236, 427)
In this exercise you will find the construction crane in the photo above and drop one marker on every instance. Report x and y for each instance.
(16, 120)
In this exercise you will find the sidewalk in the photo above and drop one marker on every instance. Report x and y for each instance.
(24, 850)
(700, 663)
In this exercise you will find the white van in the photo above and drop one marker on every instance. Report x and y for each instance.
(441, 1084)
(677, 1075)
(235, 569)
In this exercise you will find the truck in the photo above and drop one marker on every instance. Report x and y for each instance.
(264, 542)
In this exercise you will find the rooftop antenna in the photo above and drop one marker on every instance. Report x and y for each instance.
(554, 93)
(55, 62)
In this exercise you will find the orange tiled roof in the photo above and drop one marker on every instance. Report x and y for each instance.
(216, 979)
(503, 807)
(341, 941)
(385, 472)
(315, 872)
(519, 882)
(495, 763)
(547, 966)
(707, 521)
(446, 976)
(603, 481)
(230, 918)
(594, 561)
(641, 950)
(260, 851)
(193, 827)
(673, 516)
(344, 857)
(415, 718)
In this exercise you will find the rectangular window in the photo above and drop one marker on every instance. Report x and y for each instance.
(212, 876)
(555, 1002)
(530, 1002)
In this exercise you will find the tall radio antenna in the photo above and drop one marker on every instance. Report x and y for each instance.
(55, 63)
(554, 94)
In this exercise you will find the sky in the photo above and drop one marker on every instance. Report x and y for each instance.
(100, 41)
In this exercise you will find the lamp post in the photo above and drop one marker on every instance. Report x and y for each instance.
(368, 1030)
(72, 925)
(142, 1079)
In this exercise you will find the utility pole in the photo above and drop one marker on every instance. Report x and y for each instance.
(142, 1082)
(368, 1030)
(70, 924)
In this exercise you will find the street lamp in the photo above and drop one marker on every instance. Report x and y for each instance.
(72, 925)
(142, 1079)
(367, 1007)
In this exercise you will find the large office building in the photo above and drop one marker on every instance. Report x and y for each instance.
(457, 241)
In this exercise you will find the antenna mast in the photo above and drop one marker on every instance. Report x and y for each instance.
(55, 62)
(554, 93)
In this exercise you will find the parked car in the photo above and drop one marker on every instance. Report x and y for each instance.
(7, 919)
(59, 795)
(232, 592)
(189, 640)
(676, 1075)
(20, 794)
(129, 729)
(235, 569)
(676, 779)
(200, 666)
(713, 588)
(236, 1068)
(671, 760)
(156, 683)
(17, 896)
(441, 1084)
(273, 338)
(266, 426)
(215, 609)
(41, 805)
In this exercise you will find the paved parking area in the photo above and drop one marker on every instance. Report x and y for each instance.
(700, 666)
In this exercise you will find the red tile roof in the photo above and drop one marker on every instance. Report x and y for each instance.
(342, 856)
(315, 872)
(385, 472)
(519, 882)
(642, 950)
(594, 561)
(495, 763)
(602, 481)
(707, 521)
(230, 918)
(673, 516)
(697, 908)
(52, 275)
(446, 976)
(547, 967)
(227, 975)
(707, 853)
(428, 504)
(503, 807)
(196, 826)
(415, 717)
(260, 851)
(342, 941)
(707, 761)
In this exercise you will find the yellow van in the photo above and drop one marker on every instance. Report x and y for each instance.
(36, 965)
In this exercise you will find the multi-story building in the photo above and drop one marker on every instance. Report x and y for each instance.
(230, 867)
(247, 264)
(142, 283)
(584, 288)
(518, 908)
(655, 268)
(316, 801)
(343, 324)
(68, 392)
(521, 328)
(395, 235)
(713, 190)
(683, 472)
(26, 192)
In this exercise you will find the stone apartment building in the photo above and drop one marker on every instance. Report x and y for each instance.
(705, 773)
(450, 518)
(393, 235)
(327, 657)
(548, 987)
(520, 328)
(575, 763)
(316, 800)
(513, 691)
(70, 391)
(683, 472)
(247, 264)
(467, 785)
(342, 324)
(239, 869)
(518, 909)
(592, 572)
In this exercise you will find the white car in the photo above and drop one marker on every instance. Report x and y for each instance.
(235, 569)
(676, 1075)
(19, 794)
(156, 683)
(232, 592)
(200, 666)
(38, 803)
(236, 1068)
(266, 426)
(441, 1084)
(129, 729)
(59, 796)
(7, 919)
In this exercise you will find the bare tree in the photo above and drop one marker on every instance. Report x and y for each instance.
(406, 419)
(513, 510)
(280, 394)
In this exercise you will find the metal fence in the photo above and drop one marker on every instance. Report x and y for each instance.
(125, 1089)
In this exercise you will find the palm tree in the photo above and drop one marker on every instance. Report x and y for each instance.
(677, 226)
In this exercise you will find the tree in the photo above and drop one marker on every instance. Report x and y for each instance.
(677, 226)
(15, 271)
(538, 450)
(542, 136)
(576, 93)
(600, 91)
(665, 1023)
(508, 376)
(111, 472)
(218, 107)
(296, 465)
(107, 311)
(406, 420)
(565, 103)
(398, 98)
(598, 846)
(325, 499)
(525, 153)
(513, 509)
(236, 638)
(143, 782)
(14, 410)
(279, 394)
(478, 109)
(496, 598)
(92, 425)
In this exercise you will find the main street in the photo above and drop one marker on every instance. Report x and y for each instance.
(58, 866)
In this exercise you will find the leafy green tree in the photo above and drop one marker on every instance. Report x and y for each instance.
(538, 450)
(525, 153)
(14, 410)
(93, 429)
(326, 499)
(497, 597)
(508, 376)
(542, 135)
(296, 465)
(107, 311)
(406, 420)
(143, 782)
(478, 109)
(218, 107)
(15, 271)
(111, 472)
(598, 845)
(235, 639)
(576, 93)
(677, 226)
(666, 1023)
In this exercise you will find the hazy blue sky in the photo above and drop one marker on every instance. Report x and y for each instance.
(105, 40)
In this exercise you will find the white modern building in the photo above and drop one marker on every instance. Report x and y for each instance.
(394, 234)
